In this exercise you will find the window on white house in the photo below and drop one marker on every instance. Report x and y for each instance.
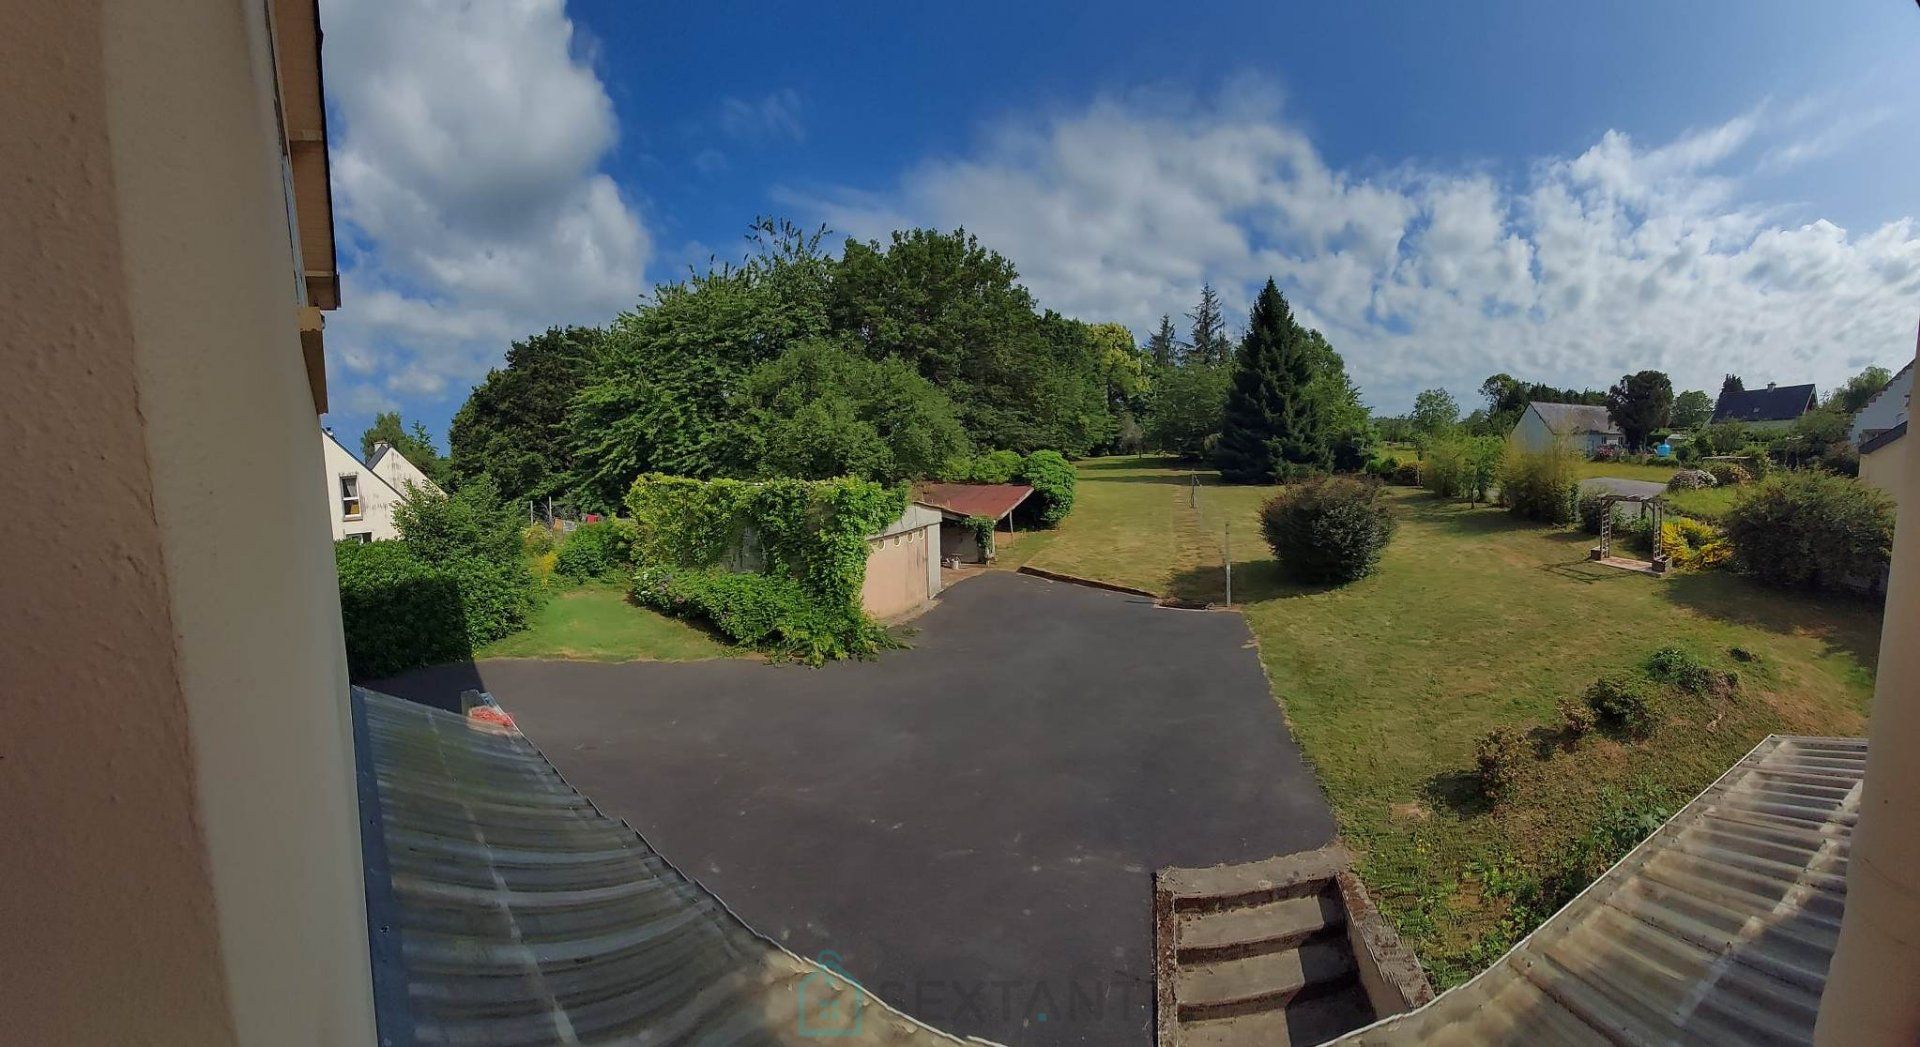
(350, 497)
(363, 537)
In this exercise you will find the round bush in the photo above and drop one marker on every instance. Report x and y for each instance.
(1691, 480)
(597, 550)
(1621, 704)
(1497, 758)
(1807, 529)
(1328, 529)
(1052, 480)
(1730, 473)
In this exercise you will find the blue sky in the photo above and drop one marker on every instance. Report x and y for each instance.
(1560, 191)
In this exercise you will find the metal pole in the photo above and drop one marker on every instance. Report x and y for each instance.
(1229, 550)
(1193, 490)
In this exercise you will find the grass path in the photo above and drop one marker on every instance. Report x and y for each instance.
(594, 622)
(1475, 621)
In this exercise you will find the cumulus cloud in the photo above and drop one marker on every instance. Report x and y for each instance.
(467, 150)
(1572, 270)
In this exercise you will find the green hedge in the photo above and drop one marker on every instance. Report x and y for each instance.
(770, 613)
(600, 549)
(398, 612)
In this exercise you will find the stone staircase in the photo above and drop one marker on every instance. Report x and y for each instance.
(1262, 953)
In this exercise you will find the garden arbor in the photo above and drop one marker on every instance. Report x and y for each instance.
(1603, 553)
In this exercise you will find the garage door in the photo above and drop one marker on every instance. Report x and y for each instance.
(896, 574)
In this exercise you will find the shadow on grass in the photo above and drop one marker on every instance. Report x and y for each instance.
(1151, 461)
(1588, 572)
(1842, 623)
(1458, 791)
(1254, 581)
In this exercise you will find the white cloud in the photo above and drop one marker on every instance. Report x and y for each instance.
(774, 116)
(1572, 271)
(467, 176)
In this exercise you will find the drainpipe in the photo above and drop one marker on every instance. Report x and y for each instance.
(1870, 996)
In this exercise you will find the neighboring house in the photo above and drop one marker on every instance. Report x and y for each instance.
(361, 497)
(903, 564)
(959, 503)
(1886, 410)
(1584, 427)
(1775, 407)
(1883, 459)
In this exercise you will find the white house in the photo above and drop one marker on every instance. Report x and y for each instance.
(1584, 427)
(1886, 410)
(361, 497)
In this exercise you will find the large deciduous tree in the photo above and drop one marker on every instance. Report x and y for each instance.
(1854, 394)
(1188, 400)
(1434, 412)
(1640, 403)
(1272, 426)
(512, 429)
(1692, 409)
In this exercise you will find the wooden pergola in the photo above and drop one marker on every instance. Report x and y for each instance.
(1603, 553)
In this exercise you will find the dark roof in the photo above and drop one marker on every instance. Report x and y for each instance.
(1781, 403)
(1883, 438)
(993, 501)
(505, 909)
(1569, 419)
(1717, 929)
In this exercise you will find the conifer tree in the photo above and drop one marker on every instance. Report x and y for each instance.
(1273, 427)
(1208, 342)
(1163, 347)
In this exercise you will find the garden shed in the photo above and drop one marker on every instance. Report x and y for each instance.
(903, 564)
(959, 505)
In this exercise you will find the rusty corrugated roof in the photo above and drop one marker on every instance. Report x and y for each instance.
(992, 501)
(505, 909)
(1717, 929)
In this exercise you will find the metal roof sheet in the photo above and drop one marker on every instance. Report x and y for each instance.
(1567, 419)
(992, 501)
(1716, 929)
(506, 909)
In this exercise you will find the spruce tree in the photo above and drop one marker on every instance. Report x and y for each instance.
(1208, 343)
(1163, 347)
(1272, 427)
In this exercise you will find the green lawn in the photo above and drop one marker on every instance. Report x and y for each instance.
(594, 622)
(1628, 471)
(1707, 503)
(1475, 621)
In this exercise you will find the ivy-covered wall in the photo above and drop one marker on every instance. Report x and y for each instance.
(811, 537)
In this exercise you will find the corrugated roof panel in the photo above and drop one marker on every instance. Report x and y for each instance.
(992, 501)
(525, 916)
(1717, 929)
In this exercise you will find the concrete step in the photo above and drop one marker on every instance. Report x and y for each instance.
(1249, 930)
(1265, 982)
(1304, 1022)
(1251, 883)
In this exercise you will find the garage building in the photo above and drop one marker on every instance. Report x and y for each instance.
(903, 564)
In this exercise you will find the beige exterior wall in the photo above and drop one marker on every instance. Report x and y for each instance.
(1871, 996)
(903, 564)
(398, 471)
(1886, 467)
(180, 851)
(377, 497)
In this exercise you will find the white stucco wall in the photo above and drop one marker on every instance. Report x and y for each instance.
(377, 498)
(398, 471)
(1530, 434)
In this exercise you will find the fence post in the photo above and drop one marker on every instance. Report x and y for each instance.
(1227, 544)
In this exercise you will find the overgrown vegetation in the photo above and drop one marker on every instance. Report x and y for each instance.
(1812, 530)
(601, 549)
(1462, 466)
(798, 549)
(1543, 485)
(1327, 529)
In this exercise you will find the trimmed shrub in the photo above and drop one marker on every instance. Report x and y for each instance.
(1497, 758)
(1594, 509)
(1691, 480)
(1732, 474)
(1806, 529)
(1052, 480)
(771, 613)
(398, 613)
(1621, 704)
(1541, 485)
(601, 549)
(1328, 529)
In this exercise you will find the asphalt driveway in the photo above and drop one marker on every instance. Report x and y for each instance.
(970, 826)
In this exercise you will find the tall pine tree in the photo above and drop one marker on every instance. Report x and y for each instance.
(1273, 427)
(1163, 347)
(1208, 342)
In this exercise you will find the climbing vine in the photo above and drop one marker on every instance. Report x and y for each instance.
(809, 538)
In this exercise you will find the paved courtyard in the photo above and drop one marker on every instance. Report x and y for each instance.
(969, 826)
